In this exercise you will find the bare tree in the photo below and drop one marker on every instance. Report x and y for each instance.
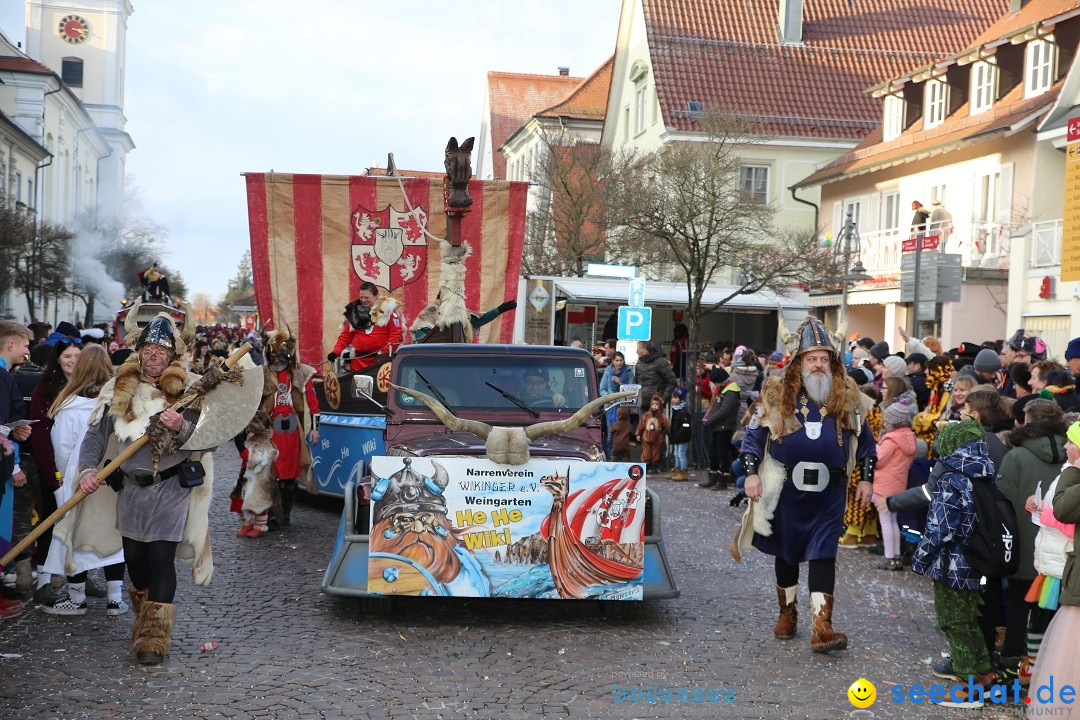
(683, 212)
(34, 259)
(566, 227)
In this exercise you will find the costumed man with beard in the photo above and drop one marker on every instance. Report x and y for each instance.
(801, 446)
(411, 523)
(287, 387)
(159, 515)
(374, 328)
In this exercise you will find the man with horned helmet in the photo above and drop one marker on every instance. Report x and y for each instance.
(162, 502)
(809, 431)
(287, 388)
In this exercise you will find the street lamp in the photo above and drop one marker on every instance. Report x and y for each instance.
(847, 244)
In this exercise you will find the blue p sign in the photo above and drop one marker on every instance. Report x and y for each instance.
(635, 323)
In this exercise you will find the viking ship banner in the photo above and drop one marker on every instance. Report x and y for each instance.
(469, 527)
(316, 238)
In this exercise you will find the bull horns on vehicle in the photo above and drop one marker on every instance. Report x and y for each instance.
(510, 445)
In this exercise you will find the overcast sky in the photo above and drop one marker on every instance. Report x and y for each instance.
(216, 88)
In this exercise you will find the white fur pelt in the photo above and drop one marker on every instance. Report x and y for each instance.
(259, 475)
(452, 286)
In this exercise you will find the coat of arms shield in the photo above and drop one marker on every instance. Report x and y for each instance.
(389, 247)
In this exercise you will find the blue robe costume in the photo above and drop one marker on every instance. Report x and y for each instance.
(810, 513)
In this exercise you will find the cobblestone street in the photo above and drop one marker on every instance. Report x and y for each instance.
(284, 650)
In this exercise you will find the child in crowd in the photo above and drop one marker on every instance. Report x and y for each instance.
(896, 454)
(950, 521)
(679, 435)
(652, 432)
(620, 435)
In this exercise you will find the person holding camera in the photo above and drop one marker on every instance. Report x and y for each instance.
(156, 509)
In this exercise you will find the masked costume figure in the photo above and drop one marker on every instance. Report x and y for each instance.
(289, 401)
(160, 511)
(801, 446)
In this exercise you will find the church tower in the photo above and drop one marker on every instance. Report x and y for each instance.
(84, 42)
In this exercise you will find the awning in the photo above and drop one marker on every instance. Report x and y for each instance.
(670, 295)
(882, 296)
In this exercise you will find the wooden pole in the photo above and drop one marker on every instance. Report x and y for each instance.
(102, 474)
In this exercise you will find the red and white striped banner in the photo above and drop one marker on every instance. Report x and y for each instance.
(316, 238)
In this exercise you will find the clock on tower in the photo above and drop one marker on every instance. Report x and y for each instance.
(73, 29)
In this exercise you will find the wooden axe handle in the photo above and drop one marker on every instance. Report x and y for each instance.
(105, 472)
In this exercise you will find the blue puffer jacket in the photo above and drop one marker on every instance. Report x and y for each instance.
(951, 519)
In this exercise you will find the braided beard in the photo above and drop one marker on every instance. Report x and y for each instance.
(817, 386)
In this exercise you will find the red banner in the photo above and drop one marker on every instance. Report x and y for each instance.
(316, 238)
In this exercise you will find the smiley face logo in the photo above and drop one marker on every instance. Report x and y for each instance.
(862, 693)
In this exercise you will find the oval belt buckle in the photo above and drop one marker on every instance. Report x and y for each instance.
(813, 430)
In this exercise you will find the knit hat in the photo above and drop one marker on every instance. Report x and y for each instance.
(718, 376)
(1073, 349)
(898, 414)
(880, 351)
(859, 354)
(1073, 433)
(777, 356)
(987, 361)
(861, 375)
(895, 365)
(957, 434)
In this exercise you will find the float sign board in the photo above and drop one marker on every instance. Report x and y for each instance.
(469, 527)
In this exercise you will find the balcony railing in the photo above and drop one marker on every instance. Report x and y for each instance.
(1046, 243)
(979, 244)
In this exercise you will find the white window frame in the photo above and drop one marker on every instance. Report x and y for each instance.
(893, 121)
(937, 102)
(983, 86)
(641, 106)
(748, 174)
(1040, 61)
(890, 210)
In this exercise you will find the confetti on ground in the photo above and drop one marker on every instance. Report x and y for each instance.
(205, 647)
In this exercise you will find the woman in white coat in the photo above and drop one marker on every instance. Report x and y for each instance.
(70, 412)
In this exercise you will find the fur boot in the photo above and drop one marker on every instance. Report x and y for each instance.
(138, 599)
(156, 620)
(789, 614)
(24, 577)
(824, 638)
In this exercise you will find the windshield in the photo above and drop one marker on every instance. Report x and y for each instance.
(475, 382)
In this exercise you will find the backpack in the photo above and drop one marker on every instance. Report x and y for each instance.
(991, 549)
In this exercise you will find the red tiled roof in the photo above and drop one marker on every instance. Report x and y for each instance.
(727, 55)
(16, 63)
(959, 129)
(514, 98)
(1034, 11)
(588, 101)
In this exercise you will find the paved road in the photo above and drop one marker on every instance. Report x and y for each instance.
(287, 651)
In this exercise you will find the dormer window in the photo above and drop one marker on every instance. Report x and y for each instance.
(1039, 67)
(937, 100)
(893, 123)
(983, 86)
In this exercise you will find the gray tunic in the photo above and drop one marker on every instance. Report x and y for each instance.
(155, 512)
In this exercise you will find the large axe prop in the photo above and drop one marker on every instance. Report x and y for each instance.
(233, 389)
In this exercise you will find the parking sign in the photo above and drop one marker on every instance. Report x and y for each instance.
(635, 323)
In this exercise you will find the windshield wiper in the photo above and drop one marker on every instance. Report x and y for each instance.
(434, 390)
(513, 398)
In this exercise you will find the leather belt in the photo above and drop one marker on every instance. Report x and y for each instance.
(835, 474)
(146, 479)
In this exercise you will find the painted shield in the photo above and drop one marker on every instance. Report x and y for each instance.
(389, 247)
(396, 575)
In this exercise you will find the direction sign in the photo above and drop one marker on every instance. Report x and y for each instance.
(929, 242)
(635, 323)
(637, 293)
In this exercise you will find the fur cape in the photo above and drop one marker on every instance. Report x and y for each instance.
(775, 394)
(131, 404)
(382, 310)
(259, 474)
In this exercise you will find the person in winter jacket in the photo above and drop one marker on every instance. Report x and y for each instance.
(746, 374)
(620, 436)
(679, 435)
(896, 453)
(1038, 449)
(615, 375)
(720, 420)
(652, 431)
(961, 449)
(654, 374)
(1058, 658)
